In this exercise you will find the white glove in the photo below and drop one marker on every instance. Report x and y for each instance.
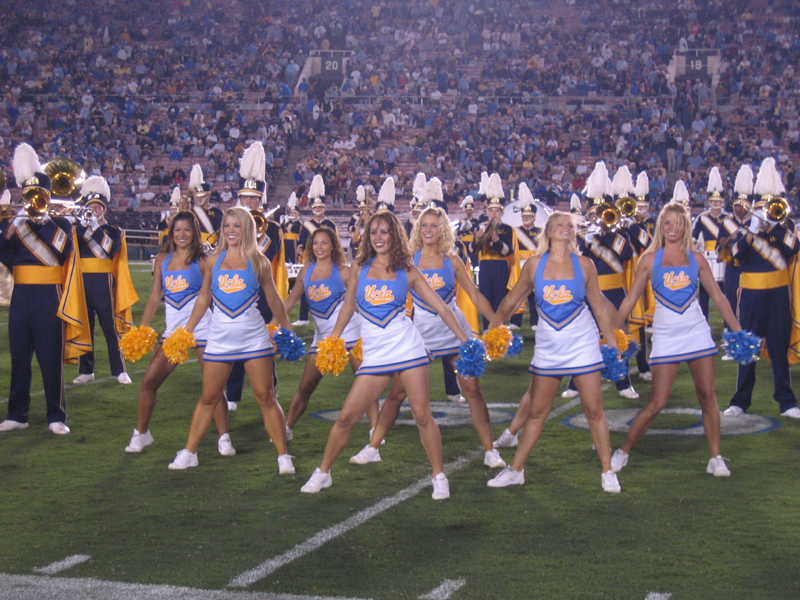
(93, 224)
(21, 218)
(755, 225)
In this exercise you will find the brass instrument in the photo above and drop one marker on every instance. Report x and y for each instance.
(605, 215)
(66, 176)
(483, 237)
(2, 182)
(627, 206)
(772, 209)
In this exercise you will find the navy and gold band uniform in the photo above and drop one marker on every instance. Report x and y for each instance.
(640, 234)
(609, 251)
(47, 314)
(209, 219)
(730, 226)
(494, 262)
(271, 246)
(356, 231)
(409, 225)
(291, 236)
(526, 246)
(765, 307)
(708, 227)
(309, 227)
(466, 230)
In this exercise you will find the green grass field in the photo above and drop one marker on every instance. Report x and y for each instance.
(234, 528)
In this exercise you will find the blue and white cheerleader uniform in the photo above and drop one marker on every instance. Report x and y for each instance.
(325, 298)
(391, 343)
(181, 288)
(567, 338)
(680, 330)
(237, 330)
(439, 338)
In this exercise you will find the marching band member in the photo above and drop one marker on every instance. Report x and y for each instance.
(209, 217)
(567, 341)
(468, 226)
(382, 277)
(706, 230)
(494, 245)
(316, 194)
(525, 236)
(107, 280)
(764, 251)
(356, 225)
(178, 277)
(291, 230)
(232, 276)
(433, 248)
(417, 192)
(48, 310)
(177, 203)
(680, 330)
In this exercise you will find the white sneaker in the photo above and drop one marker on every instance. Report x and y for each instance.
(792, 413)
(618, 460)
(717, 467)
(458, 398)
(288, 434)
(58, 428)
(493, 460)
(629, 392)
(318, 481)
(506, 477)
(9, 425)
(232, 406)
(372, 431)
(441, 487)
(727, 356)
(568, 393)
(139, 441)
(183, 460)
(610, 482)
(123, 378)
(225, 446)
(285, 465)
(646, 376)
(507, 440)
(533, 327)
(366, 455)
(85, 378)
(733, 411)
(299, 323)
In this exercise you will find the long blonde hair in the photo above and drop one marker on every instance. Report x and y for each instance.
(687, 243)
(447, 241)
(248, 247)
(543, 239)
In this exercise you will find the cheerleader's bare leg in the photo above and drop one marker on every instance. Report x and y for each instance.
(259, 373)
(215, 374)
(702, 370)
(542, 390)
(663, 379)
(416, 383)
(592, 401)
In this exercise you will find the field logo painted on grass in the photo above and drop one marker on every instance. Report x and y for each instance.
(444, 413)
(619, 421)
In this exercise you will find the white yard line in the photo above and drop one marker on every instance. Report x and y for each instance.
(446, 590)
(657, 596)
(63, 565)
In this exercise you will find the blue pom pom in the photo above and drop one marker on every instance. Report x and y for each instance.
(616, 365)
(631, 351)
(743, 346)
(288, 345)
(516, 345)
(471, 361)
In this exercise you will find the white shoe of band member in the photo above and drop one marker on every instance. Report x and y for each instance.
(58, 428)
(232, 406)
(506, 477)
(84, 378)
(458, 398)
(299, 323)
(568, 393)
(366, 455)
(629, 392)
(610, 482)
(441, 487)
(646, 376)
(493, 460)
(792, 413)
(618, 460)
(184, 460)
(289, 434)
(733, 411)
(139, 441)
(124, 379)
(225, 446)
(717, 467)
(318, 481)
(9, 425)
(507, 440)
(285, 465)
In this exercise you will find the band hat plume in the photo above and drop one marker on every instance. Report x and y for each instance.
(419, 186)
(291, 203)
(386, 195)
(95, 189)
(642, 187)
(622, 183)
(467, 202)
(597, 184)
(680, 193)
(715, 187)
(525, 198)
(252, 169)
(28, 171)
(197, 183)
(494, 190)
(176, 196)
(768, 181)
(432, 194)
(575, 203)
(316, 191)
(361, 196)
(743, 185)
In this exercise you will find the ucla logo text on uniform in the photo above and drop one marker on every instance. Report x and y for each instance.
(175, 284)
(230, 284)
(435, 281)
(318, 292)
(557, 296)
(676, 282)
(376, 296)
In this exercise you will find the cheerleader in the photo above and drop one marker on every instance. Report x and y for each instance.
(178, 276)
(232, 276)
(680, 330)
(323, 281)
(434, 254)
(391, 344)
(567, 341)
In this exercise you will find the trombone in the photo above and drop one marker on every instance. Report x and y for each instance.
(772, 209)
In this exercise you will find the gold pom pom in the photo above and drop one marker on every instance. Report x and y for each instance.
(496, 341)
(622, 340)
(177, 346)
(358, 351)
(273, 329)
(331, 356)
(137, 342)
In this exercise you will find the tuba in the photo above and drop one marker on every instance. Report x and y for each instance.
(66, 176)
